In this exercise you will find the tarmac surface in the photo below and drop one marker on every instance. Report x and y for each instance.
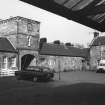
(73, 88)
(67, 78)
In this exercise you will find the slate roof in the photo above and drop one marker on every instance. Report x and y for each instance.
(98, 41)
(6, 46)
(61, 50)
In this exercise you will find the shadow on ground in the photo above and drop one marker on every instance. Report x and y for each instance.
(14, 92)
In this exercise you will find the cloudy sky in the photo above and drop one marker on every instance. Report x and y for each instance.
(53, 26)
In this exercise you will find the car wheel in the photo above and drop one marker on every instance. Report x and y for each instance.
(18, 77)
(100, 71)
(35, 79)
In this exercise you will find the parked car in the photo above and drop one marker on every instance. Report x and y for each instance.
(35, 73)
(101, 66)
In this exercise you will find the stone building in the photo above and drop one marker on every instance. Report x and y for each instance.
(23, 34)
(65, 58)
(8, 56)
(97, 51)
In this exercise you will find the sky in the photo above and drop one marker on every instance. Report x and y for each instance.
(52, 26)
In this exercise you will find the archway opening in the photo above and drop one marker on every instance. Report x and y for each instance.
(26, 60)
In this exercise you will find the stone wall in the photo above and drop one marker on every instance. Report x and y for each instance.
(22, 32)
(60, 62)
(8, 27)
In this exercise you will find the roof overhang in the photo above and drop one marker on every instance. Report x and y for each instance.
(90, 13)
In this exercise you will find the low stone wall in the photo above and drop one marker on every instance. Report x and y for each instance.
(61, 63)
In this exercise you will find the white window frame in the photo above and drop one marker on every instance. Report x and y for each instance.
(13, 62)
(5, 62)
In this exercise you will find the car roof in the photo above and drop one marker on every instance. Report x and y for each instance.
(39, 67)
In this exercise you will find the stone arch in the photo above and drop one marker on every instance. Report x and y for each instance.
(25, 60)
(25, 54)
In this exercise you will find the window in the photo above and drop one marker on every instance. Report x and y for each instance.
(13, 62)
(101, 64)
(29, 27)
(4, 63)
(29, 41)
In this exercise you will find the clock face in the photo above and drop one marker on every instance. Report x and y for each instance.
(29, 27)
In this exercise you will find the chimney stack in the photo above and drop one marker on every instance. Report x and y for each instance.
(42, 41)
(57, 42)
(68, 44)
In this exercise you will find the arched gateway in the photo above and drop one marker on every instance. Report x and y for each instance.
(26, 57)
(26, 60)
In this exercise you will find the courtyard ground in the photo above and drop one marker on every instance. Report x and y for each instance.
(74, 88)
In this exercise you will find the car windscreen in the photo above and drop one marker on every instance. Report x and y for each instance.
(102, 64)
